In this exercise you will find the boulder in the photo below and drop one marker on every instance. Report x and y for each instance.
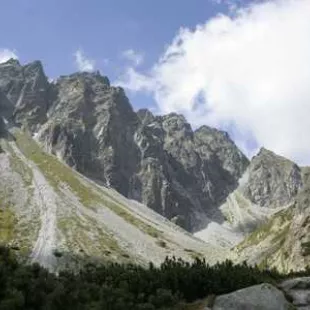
(259, 297)
(298, 290)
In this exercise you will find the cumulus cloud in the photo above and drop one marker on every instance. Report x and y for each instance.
(230, 3)
(6, 54)
(249, 71)
(82, 62)
(133, 56)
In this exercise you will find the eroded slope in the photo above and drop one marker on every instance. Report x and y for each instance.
(267, 216)
(58, 217)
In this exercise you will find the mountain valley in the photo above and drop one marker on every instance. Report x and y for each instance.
(85, 177)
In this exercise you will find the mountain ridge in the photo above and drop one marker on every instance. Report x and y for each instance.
(64, 215)
(82, 125)
(91, 126)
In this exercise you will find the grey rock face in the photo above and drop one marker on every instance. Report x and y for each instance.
(272, 180)
(6, 107)
(298, 290)
(6, 111)
(228, 161)
(185, 168)
(91, 126)
(258, 297)
(158, 160)
(282, 240)
(2, 128)
(26, 88)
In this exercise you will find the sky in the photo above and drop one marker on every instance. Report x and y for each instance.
(239, 65)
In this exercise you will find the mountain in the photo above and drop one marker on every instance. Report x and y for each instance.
(267, 216)
(71, 148)
(84, 176)
(59, 218)
(282, 240)
(158, 160)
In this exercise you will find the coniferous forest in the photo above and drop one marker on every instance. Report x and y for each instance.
(121, 287)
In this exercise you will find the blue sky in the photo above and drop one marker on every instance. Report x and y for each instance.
(245, 69)
(53, 30)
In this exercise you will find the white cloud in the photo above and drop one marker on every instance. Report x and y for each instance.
(231, 5)
(250, 71)
(223, 2)
(82, 62)
(133, 56)
(6, 54)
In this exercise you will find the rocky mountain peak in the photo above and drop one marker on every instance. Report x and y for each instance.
(263, 152)
(34, 65)
(10, 62)
(157, 160)
(11, 77)
(206, 130)
(175, 125)
(27, 88)
(214, 138)
(272, 179)
(94, 77)
(146, 117)
(267, 157)
(175, 120)
(13, 68)
(219, 142)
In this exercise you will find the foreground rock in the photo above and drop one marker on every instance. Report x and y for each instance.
(258, 297)
(299, 291)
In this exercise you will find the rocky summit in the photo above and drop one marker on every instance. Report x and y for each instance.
(267, 215)
(89, 167)
(181, 173)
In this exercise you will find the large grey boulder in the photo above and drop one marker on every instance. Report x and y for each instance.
(258, 297)
(298, 290)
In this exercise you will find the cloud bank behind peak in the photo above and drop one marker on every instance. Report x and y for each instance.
(249, 71)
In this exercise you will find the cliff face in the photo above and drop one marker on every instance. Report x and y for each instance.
(158, 160)
(272, 180)
(267, 216)
(198, 179)
(27, 89)
(51, 214)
